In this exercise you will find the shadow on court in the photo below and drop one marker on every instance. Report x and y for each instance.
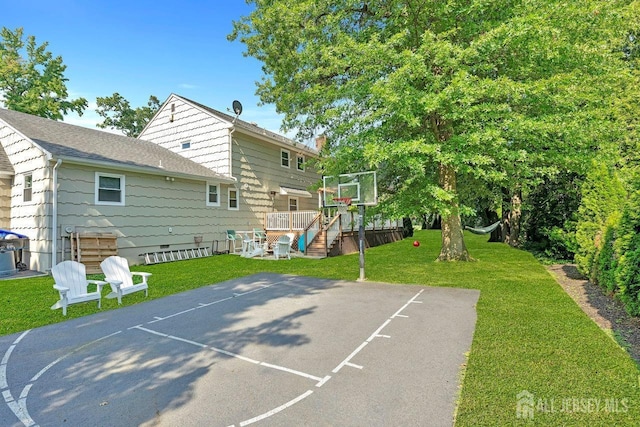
(266, 349)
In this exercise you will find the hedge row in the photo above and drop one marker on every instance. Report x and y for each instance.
(608, 235)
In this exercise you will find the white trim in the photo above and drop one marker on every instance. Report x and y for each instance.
(229, 190)
(207, 187)
(297, 204)
(97, 189)
(24, 188)
(286, 191)
(300, 167)
(282, 151)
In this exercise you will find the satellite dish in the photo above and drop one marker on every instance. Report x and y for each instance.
(237, 107)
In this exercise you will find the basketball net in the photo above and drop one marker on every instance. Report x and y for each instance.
(343, 204)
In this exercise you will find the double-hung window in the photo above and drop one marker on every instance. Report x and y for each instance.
(109, 189)
(300, 163)
(285, 158)
(233, 199)
(213, 195)
(27, 190)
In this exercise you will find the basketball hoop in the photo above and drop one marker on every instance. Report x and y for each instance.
(343, 204)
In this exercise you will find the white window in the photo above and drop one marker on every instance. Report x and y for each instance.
(109, 189)
(213, 195)
(285, 158)
(293, 203)
(300, 162)
(186, 145)
(27, 190)
(233, 199)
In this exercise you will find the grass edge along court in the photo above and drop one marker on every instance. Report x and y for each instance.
(536, 358)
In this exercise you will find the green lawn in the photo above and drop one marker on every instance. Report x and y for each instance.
(529, 335)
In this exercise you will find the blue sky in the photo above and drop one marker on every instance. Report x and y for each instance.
(140, 48)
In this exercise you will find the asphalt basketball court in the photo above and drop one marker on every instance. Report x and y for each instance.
(265, 349)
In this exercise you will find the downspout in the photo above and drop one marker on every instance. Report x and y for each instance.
(231, 130)
(54, 214)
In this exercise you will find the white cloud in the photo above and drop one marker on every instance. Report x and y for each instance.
(187, 86)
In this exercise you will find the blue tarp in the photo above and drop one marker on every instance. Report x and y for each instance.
(8, 234)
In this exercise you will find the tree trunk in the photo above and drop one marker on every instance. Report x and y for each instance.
(453, 247)
(492, 217)
(511, 216)
(514, 218)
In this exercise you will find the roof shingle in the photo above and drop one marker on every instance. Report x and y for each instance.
(81, 144)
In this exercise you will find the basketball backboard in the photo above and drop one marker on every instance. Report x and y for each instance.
(360, 187)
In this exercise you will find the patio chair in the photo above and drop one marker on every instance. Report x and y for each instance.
(282, 247)
(232, 238)
(116, 272)
(259, 236)
(248, 246)
(72, 284)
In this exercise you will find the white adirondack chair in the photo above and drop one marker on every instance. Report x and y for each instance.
(116, 272)
(71, 283)
(282, 247)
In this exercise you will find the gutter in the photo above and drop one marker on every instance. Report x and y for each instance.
(142, 169)
(54, 214)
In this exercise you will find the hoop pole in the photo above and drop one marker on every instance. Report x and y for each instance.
(361, 241)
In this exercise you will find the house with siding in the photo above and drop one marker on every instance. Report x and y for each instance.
(272, 173)
(57, 179)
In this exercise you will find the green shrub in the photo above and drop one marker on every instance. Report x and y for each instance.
(603, 194)
(604, 271)
(549, 218)
(628, 245)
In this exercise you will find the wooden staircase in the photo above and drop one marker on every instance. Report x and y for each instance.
(318, 246)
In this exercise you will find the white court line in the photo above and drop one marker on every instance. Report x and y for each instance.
(5, 360)
(19, 407)
(237, 356)
(376, 334)
(323, 381)
(291, 371)
(345, 361)
(276, 410)
(377, 331)
(407, 304)
(202, 304)
(353, 365)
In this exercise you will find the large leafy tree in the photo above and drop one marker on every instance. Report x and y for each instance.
(461, 92)
(32, 79)
(118, 114)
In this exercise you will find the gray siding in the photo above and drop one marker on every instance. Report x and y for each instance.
(257, 167)
(156, 212)
(254, 161)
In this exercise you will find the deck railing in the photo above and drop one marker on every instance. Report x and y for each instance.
(289, 220)
(350, 223)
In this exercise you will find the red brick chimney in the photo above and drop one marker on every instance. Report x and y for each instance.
(320, 141)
